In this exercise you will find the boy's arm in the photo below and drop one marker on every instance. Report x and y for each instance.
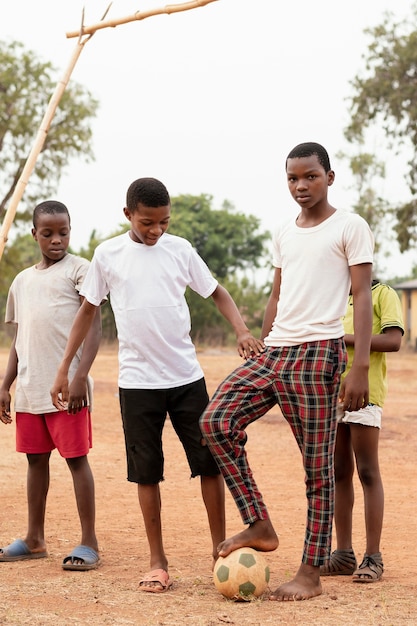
(77, 393)
(9, 377)
(388, 341)
(247, 344)
(272, 305)
(354, 390)
(80, 327)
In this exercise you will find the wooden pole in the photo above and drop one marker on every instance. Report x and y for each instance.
(83, 34)
(141, 15)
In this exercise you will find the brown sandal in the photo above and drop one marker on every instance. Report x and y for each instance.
(370, 570)
(340, 563)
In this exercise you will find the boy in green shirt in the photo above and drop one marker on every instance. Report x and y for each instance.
(357, 437)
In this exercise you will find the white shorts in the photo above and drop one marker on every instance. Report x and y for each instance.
(371, 415)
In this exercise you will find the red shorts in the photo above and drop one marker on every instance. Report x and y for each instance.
(70, 434)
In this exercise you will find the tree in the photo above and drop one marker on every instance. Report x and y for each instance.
(26, 84)
(385, 98)
(367, 173)
(228, 241)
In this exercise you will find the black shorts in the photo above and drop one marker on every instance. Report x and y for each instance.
(144, 413)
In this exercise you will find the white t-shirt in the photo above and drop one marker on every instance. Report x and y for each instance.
(315, 276)
(147, 286)
(43, 304)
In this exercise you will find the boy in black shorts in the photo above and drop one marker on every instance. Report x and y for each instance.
(146, 272)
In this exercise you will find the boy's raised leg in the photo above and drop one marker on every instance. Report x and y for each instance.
(259, 535)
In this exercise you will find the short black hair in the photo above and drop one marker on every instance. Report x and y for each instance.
(148, 191)
(308, 149)
(49, 207)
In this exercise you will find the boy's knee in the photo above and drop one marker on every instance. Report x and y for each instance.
(77, 462)
(368, 476)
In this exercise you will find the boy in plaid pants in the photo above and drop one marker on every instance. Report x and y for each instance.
(317, 256)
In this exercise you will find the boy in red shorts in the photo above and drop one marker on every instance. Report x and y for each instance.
(42, 303)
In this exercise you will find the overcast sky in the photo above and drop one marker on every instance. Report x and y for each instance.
(209, 100)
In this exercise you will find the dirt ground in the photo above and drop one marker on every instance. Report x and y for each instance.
(39, 592)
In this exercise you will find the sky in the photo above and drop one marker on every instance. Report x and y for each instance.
(209, 100)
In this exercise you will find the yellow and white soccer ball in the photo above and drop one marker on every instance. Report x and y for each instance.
(241, 575)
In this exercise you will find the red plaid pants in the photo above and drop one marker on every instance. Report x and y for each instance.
(304, 381)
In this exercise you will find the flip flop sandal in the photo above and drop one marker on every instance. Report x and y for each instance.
(18, 550)
(370, 570)
(158, 576)
(89, 557)
(340, 563)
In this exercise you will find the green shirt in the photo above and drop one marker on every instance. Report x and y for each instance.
(387, 313)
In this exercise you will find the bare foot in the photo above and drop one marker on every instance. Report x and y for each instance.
(260, 536)
(305, 585)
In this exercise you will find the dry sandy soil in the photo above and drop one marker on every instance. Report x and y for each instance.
(39, 592)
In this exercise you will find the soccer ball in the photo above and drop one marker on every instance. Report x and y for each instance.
(241, 575)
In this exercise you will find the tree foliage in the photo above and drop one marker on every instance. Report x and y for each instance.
(367, 173)
(385, 97)
(26, 85)
(227, 240)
